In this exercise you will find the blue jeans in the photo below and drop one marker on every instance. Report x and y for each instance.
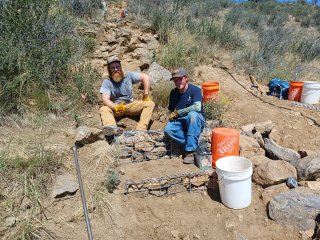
(186, 130)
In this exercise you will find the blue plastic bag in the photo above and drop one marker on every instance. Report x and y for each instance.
(279, 88)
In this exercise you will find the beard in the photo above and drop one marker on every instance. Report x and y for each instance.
(117, 76)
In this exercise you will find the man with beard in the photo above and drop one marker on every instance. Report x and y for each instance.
(187, 118)
(118, 100)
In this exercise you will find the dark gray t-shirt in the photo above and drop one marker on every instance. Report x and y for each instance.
(121, 91)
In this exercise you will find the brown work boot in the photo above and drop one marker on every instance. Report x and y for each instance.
(188, 158)
(111, 130)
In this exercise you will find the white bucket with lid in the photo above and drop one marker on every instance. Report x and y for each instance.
(234, 175)
(310, 92)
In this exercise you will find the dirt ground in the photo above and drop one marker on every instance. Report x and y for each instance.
(195, 215)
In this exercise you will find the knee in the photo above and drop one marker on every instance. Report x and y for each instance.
(168, 128)
(193, 116)
(104, 109)
(150, 104)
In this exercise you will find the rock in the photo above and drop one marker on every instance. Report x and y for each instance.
(312, 185)
(275, 135)
(158, 73)
(273, 172)
(272, 191)
(103, 48)
(196, 236)
(298, 208)
(123, 33)
(258, 159)
(249, 147)
(175, 234)
(309, 167)
(257, 136)
(265, 127)
(10, 222)
(278, 152)
(86, 135)
(248, 129)
(64, 185)
(144, 56)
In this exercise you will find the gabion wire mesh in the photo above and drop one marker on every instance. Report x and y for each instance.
(139, 146)
(167, 185)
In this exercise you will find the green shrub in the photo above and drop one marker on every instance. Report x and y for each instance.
(278, 18)
(81, 8)
(84, 79)
(112, 180)
(223, 36)
(36, 48)
(161, 93)
(89, 43)
(216, 107)
(308, 49)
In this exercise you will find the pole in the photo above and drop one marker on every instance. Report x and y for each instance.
(83, 198)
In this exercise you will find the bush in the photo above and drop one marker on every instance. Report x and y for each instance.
(216, 107)
(112, 180)
(81, 8)
(36, 48)
(161, 93)
(223, 36)
(308, 49)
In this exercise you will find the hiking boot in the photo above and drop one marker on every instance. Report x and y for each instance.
(188, 158)
(112, 130)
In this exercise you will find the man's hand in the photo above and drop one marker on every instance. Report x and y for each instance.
(174, 115)
(146, 98)
(120, 108)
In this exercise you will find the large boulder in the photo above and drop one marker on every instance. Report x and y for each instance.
(158, 73)
(264, 128)
(249, 147)
(278, 152)
(298, 208)
(269, 192)
(309, 167)
(273, 172)
(85, 135)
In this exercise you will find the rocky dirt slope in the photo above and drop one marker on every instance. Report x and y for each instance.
(195, 215)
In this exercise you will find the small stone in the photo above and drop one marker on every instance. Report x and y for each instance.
(309, 233)
(310, 122)
(240, 217)
(229, 225)
(121, 171)
(10, 222)
(195, 236)
(175, 234)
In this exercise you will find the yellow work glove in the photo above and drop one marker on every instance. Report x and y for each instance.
(174, 115)
(146, 98)
(120, 108)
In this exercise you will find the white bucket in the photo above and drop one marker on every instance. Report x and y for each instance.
(234, 175)
(310, 92)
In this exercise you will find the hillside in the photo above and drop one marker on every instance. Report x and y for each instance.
(35, 150)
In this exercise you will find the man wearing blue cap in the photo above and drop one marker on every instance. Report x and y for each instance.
(187, 118)
(117, 97)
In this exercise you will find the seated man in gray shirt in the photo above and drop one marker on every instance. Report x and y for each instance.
(118, 100)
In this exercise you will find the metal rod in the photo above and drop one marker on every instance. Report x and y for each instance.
(83, 198)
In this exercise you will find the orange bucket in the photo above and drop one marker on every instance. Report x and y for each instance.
(225, 142)
(209, 90)
(295, 91)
